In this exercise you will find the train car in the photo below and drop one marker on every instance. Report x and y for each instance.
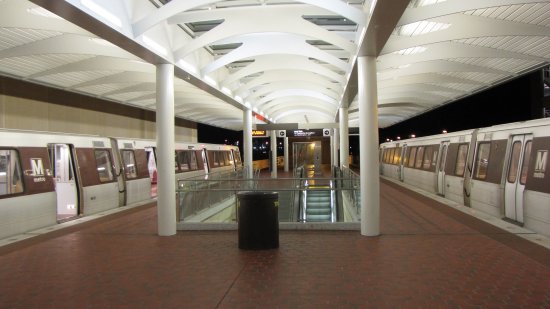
(136, 167)
(46, 178)
(222, 158)
(500, 170)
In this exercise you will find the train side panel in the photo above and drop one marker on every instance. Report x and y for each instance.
(537, 190)
(26, 213)
(27, 196)
(135, 173)
(98, 180)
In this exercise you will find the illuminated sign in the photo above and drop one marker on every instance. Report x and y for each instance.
(259, 133)
(304, 133)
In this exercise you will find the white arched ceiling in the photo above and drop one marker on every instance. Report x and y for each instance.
(450, 49)
(288, 60)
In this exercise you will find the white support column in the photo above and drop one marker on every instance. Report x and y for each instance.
(344, 136)
(273, 142)
(368, 143)
(166, 178)
(286, 154)
(335, 148)
(247, 141)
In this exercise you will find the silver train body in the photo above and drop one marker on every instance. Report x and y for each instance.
(47, 178)
(500, 170)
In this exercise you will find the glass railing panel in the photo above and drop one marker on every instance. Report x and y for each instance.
(212, 198)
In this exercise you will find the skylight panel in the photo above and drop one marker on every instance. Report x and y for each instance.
(420, 27)
(411, 51)
(421, 3)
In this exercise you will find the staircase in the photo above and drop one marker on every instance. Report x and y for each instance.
(318, 205)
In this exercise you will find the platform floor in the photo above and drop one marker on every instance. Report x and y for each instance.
(428, 256)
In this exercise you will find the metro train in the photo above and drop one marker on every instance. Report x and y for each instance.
(47, 178)
(500, 170)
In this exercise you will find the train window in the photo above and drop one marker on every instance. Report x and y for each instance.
(514, 162)
(405, 155)
(443, 158)
(419, 157)
(525, 163)
(104, 166)
(227, 158)
(482, 160)
(213, 158)
(428, 154)
(11, 177)
(386, 154)
(237, 156)
(192, 161)
(129, 161)
(176, 164)
(412, 156)
(183, 160)
(461, 159)
(397, 155)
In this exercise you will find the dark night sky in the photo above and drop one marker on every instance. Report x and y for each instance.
(516, 100)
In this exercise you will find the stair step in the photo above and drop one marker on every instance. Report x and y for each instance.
(325, 199)
(317, 218)
(318, 211)
(317, 205)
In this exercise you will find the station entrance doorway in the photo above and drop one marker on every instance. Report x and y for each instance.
(309, 156)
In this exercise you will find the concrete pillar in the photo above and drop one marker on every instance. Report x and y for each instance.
(247, 141)
(368, 143)
(273, 141)
(335, 148)
(286, 154)
(344, 136)
(166, 177)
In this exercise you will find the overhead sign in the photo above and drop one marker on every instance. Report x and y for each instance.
(282, 133)
(304, 133)
(326, 132)
(259, 133)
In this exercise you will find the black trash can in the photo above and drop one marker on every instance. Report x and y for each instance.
(258, 218)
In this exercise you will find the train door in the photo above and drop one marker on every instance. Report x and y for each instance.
(204, 159)
(440, 169)
(66, 184)
(152, 167)
(119, 173)
(516, 177)
(401, 163)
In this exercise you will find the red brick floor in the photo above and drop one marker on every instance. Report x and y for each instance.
(428, 256)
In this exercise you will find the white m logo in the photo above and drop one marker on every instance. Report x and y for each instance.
(540, 164)
(37, 167)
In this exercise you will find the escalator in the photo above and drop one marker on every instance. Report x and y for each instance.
(318, 204)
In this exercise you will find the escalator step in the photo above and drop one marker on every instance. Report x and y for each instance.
(318, 211)
(318, 205)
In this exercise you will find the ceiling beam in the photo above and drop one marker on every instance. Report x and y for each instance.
(384, 18)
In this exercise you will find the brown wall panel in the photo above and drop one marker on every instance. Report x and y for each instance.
(36, 183)
(22, 89)
(538, 178)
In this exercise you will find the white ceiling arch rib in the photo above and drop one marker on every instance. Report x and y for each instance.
(273, 43)
(283, 62)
